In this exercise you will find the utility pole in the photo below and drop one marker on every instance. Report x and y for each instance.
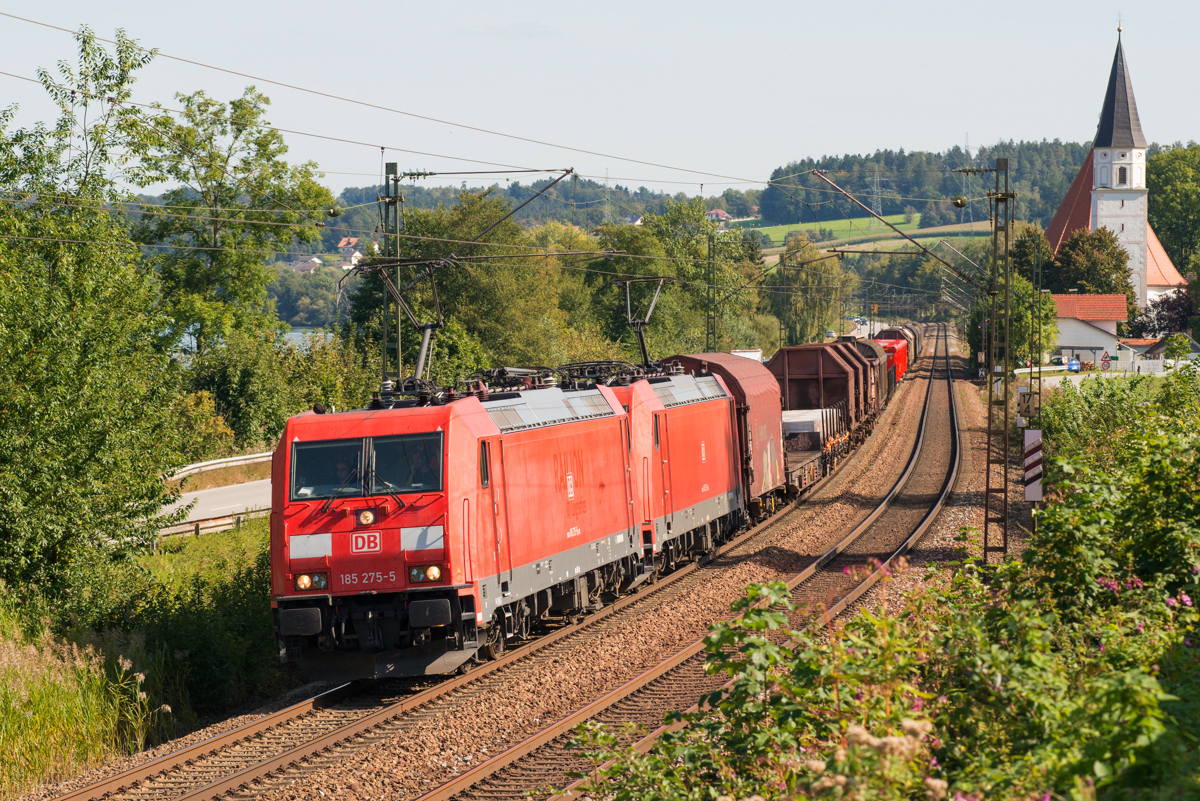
(996, 506)
(710, 323)
(393, 221)
(876, 199)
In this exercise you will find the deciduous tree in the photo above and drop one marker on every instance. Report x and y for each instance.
(235, 203)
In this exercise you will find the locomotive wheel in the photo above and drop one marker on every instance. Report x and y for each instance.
(494, 647)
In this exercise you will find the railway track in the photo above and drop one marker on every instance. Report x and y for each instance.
(893, 527)
(264, 754)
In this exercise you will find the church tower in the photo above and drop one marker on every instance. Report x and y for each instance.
(1114, 175)
(1119, 172)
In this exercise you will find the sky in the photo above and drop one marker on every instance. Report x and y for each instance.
(701, 92)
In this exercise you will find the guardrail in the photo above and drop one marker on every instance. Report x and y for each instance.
(217, 464)
(211, 525)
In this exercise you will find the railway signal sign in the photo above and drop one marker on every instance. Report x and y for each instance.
(1033, 464)
(1027, 403)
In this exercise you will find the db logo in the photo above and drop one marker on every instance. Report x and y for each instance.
(570, 487)
(365, 543)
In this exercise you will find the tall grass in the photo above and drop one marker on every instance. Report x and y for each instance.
(136, 652)
(62, 708)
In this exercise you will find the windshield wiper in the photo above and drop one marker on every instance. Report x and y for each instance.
(391, 494)
(328, 501)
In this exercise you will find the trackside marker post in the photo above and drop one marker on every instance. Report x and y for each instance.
(1033, 464)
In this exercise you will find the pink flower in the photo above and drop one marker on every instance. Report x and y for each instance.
(1170, 602)
(845, 571)
(1183, 596)
(918, 704)
(1140, 627)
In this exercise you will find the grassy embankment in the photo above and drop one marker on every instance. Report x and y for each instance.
(146, 650)
(1071, 673)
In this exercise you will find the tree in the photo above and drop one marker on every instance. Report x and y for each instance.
(1163, 315)
(236, 199)
(1025, 316)
(1173, 184)
(1030, 250)
(87, 426)
(1094, 263)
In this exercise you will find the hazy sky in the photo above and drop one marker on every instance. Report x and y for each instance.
(733, 89)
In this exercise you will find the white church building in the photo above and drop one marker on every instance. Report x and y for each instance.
(1110, 191)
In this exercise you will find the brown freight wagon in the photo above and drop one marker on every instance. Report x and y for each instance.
(818, 376)
(866, 378)
(876, 358)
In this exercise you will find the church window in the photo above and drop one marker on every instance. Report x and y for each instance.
(1122, 204)
(1121, 173)
(1104, 175)
(1122, 227)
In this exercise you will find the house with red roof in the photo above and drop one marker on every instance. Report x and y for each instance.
(719, 215)
(1087, 326)
(1109, 191)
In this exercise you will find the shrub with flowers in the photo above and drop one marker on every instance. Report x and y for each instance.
(1070, 673)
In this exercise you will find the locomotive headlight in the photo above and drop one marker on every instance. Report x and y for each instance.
(304, 581)
(429, 573)
(366, 517)
(320, 581)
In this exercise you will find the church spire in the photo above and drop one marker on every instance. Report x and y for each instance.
(1119, 124)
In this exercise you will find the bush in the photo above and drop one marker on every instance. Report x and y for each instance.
(1069, 673)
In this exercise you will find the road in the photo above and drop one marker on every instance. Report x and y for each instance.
(222, 501)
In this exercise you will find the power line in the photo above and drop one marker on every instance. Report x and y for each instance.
(392, 110)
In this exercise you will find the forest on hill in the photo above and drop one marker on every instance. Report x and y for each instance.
(894, 181)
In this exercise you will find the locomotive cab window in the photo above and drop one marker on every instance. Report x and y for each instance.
(329, 469)
(410, 463)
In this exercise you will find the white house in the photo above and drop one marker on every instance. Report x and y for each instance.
(1087, 327)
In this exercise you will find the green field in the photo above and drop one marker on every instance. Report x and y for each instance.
(855, 226)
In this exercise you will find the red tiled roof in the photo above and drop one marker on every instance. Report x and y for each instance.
(1159, 269)
(1075, 213)
(1091, 307)
(1138, 343)
(348, 242)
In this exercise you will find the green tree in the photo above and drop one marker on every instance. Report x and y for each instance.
(1173, 184)
(1094, 263)
(1025, 314)
(1031, 250)
(305, 299)
(236, 198)
(86, 396)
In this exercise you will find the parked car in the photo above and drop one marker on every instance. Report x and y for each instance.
(1057, 361)
(830, 335)
(1073, 364)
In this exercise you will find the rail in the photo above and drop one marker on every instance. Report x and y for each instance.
(371, 720)
(666, 667)
(310, 747)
